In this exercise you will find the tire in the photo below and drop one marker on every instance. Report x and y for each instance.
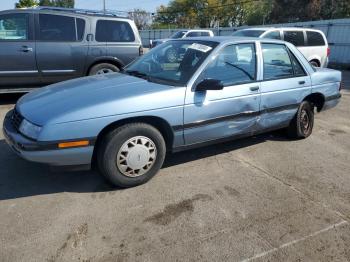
(303, 122)
(116, 153)
(314, 63)
(104, 68)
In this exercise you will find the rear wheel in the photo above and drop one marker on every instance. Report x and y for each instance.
(131, 154)
(315, 63)
(303, 122)
(104, 68)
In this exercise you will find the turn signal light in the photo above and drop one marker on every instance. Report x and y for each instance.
(73, 144)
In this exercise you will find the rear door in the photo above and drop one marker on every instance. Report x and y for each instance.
(61, 47)
(123, 46)
(232, 111)
(285, 84)
(17, 51)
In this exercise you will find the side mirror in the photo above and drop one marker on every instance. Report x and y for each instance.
(209, 84)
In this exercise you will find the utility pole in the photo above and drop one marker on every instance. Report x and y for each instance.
(104, 6)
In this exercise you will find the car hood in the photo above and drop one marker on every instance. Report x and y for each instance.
(93, 97)
(161, 40)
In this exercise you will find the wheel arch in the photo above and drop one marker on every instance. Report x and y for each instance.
(109, 60)
(157, 122)
(317, 99)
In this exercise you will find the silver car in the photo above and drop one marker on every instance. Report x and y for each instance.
(216, 89)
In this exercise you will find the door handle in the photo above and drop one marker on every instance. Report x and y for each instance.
(26, 49)
(301, 82)
(254, 88)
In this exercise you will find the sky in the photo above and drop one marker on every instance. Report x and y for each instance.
(121, 5)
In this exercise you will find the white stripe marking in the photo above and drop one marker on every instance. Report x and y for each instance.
(295, 241)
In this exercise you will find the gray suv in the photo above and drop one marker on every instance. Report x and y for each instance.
(46, 45)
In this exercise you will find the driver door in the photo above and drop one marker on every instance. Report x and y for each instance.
(232, 111)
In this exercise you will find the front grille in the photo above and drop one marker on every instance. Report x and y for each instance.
(16, 119)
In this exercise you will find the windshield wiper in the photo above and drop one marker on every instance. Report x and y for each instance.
(241, 69)
(137, 74)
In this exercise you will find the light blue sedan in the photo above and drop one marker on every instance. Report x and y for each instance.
(182, 94)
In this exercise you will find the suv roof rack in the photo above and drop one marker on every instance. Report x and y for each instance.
(120, 14)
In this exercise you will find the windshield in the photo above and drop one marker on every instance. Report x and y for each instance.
(173, 62)
(248, 33)
(178, 35)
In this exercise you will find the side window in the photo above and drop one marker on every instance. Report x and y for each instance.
(235, 64)
(56, 28)
(314, 39)
(298, 69)
(14, 27)
(114, 31)
(194, 34)
(294, 37)
(80, 28)
(273, 35)
(277, 63)
(205, 34)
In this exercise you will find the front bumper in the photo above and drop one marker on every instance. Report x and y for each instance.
(44, 152)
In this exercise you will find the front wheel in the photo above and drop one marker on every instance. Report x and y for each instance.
(303, 122)
(131, 154)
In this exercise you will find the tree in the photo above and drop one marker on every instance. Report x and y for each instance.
(141, 18)
(57, 3)
(26, 3)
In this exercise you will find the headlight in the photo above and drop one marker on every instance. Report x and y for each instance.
(30, 130)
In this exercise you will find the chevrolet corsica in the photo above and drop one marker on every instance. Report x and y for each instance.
(209, 90)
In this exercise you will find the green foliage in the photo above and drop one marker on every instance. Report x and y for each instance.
(26, 3)
(211, 13)
(57, 3)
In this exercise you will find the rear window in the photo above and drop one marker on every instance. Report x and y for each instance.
(294, 37)
(194, 34)
(248, 33)
(114, 31)
(56, 28)
(314, 39)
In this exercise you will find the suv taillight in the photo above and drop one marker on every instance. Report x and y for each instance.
(328, 51)
(140, 51)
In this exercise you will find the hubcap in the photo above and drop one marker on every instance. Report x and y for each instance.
(136, 156)
(104, 71)
(304, 120)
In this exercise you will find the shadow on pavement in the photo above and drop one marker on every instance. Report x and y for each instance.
(19, 178)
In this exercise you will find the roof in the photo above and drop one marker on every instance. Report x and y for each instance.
(87, 12)
(280, 27)
(229, 39)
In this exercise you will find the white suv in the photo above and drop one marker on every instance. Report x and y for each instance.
(182, 34)
(311, 43)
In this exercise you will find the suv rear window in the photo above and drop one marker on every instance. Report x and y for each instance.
(114, 31)
(194, 34)
(294, 37)
(314, 39)
(56, 28)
